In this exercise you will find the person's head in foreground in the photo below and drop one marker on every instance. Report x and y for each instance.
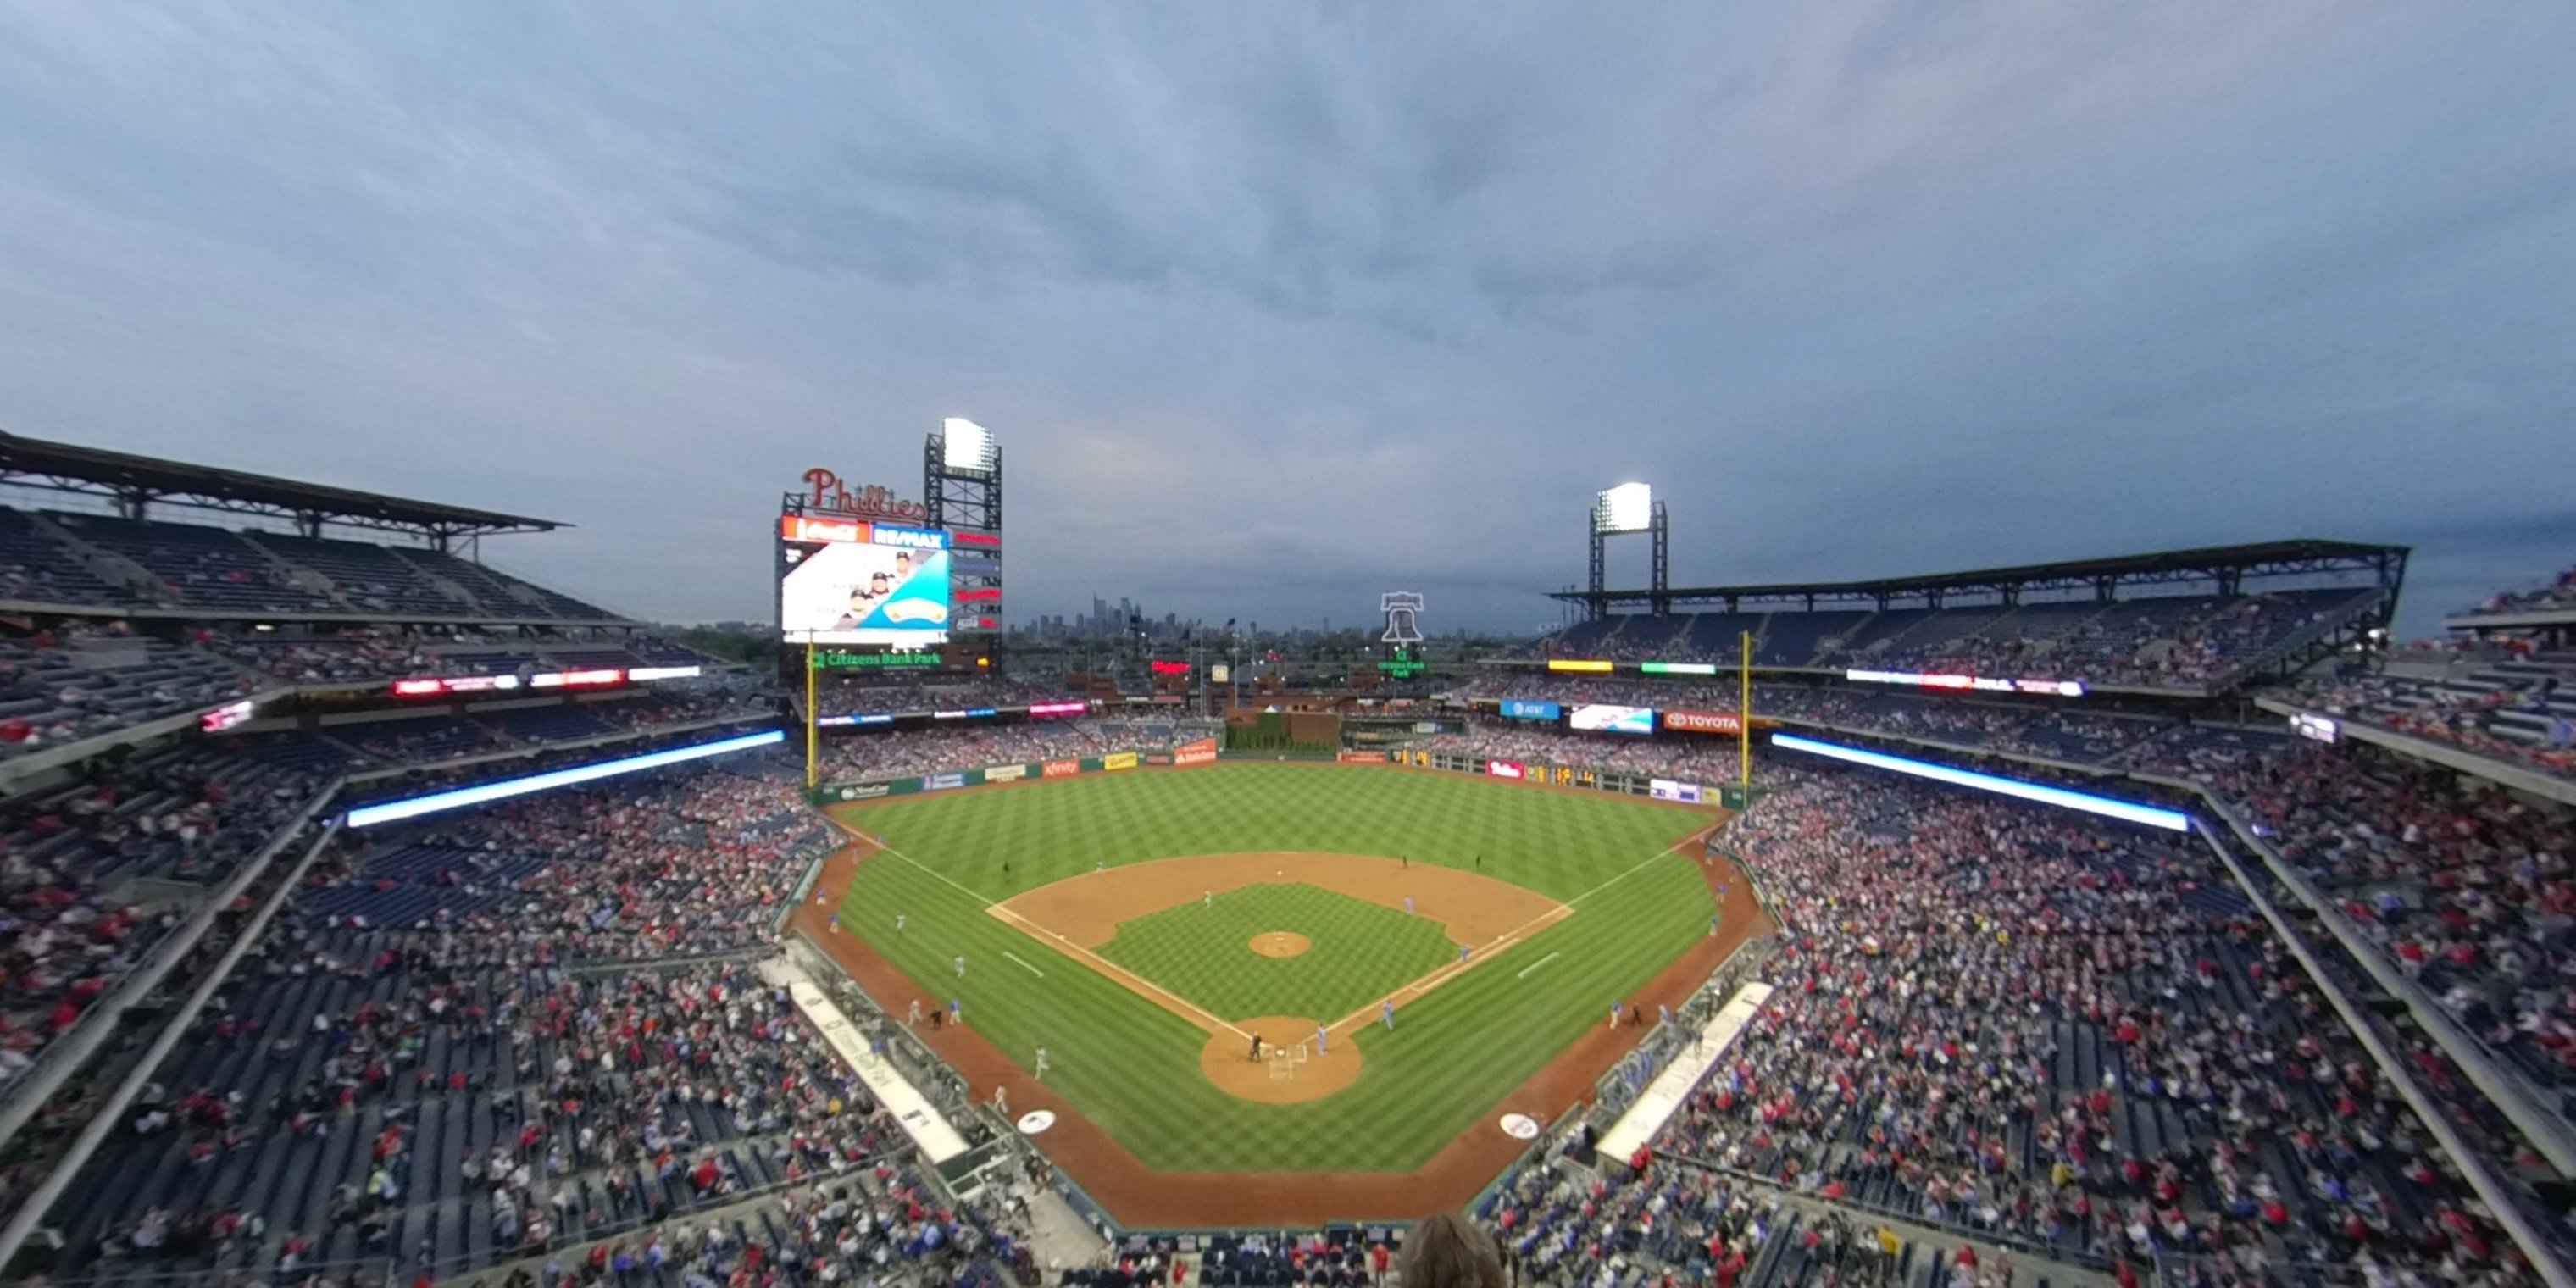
(1448, 1251)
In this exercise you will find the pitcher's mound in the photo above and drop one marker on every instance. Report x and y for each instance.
(1289, 1071)
(1280, 943)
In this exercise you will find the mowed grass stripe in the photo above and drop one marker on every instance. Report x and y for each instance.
(1359, 952)
(1131, 1065)
(1005, 842)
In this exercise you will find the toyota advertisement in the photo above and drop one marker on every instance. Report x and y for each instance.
(1702, 722)
(1601, 719)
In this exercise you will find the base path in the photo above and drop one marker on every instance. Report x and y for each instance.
(1141, 1198)
(1473, 908)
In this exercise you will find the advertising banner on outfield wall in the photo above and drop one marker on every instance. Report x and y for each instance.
(1118, 760)
(1060, 768)
(1702, 722)
(1361, 757)
(942, 782)
(1504, 769)
(864, 791)
(1201, 752)
(1665, 789)
(1158, 758)
(1006, 773)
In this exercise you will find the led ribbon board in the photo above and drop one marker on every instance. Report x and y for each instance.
(2063, 798)
(441, 802)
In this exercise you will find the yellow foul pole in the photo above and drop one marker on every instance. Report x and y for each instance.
(813, 768)
(1744, 716)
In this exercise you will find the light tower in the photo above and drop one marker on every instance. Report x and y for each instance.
(961, 489)
(1630, 507)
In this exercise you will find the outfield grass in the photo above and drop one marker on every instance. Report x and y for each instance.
(1133, 1067)
(1359, 953)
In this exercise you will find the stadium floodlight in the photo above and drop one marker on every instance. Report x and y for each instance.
(965, 445)
(1629, 507)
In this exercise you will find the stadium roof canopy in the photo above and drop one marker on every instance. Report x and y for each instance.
(136, 483)
(2225, 566)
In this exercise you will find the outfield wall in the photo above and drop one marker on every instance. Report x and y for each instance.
(1617, 782)
(869, 789)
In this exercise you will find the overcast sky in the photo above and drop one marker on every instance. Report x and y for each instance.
(1275, 308)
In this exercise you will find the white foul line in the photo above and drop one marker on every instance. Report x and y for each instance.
(1525, 970)
(1024, 965)
(1063, 945)
(1566, 909)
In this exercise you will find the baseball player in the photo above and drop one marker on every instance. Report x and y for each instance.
(961, 965)
(1042, 1064)
(1386, 1014)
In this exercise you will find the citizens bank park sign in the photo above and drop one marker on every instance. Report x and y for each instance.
(825, 491)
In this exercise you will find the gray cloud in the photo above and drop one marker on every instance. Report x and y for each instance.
(1276, 310)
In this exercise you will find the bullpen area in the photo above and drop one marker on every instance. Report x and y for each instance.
(1279, 993)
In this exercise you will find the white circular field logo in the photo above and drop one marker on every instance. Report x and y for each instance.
(1520, 1126)
(1036, 1120)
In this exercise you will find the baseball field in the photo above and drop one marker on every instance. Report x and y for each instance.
(1417, 953)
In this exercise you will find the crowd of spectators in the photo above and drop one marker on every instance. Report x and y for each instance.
(435, 1000)
(697, 863)
(67, 932)
(2524, 716)
(1559, 1221)
(76, 682)
(848, 695)
(1697, 759)
(2059, 1036)
(2559, 593)
(968, 746)
(2187, 642)
(2465, 886)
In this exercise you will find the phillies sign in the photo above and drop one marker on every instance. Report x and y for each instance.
(825, 491)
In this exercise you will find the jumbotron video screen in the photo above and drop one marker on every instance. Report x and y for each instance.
(850, 581)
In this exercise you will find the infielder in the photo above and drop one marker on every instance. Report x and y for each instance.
(1322, 1036)
(961, 965)
(1042, 1066)
(1386, 1013)
(1209, 899)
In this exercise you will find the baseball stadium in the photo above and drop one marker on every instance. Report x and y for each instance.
(378, 915)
